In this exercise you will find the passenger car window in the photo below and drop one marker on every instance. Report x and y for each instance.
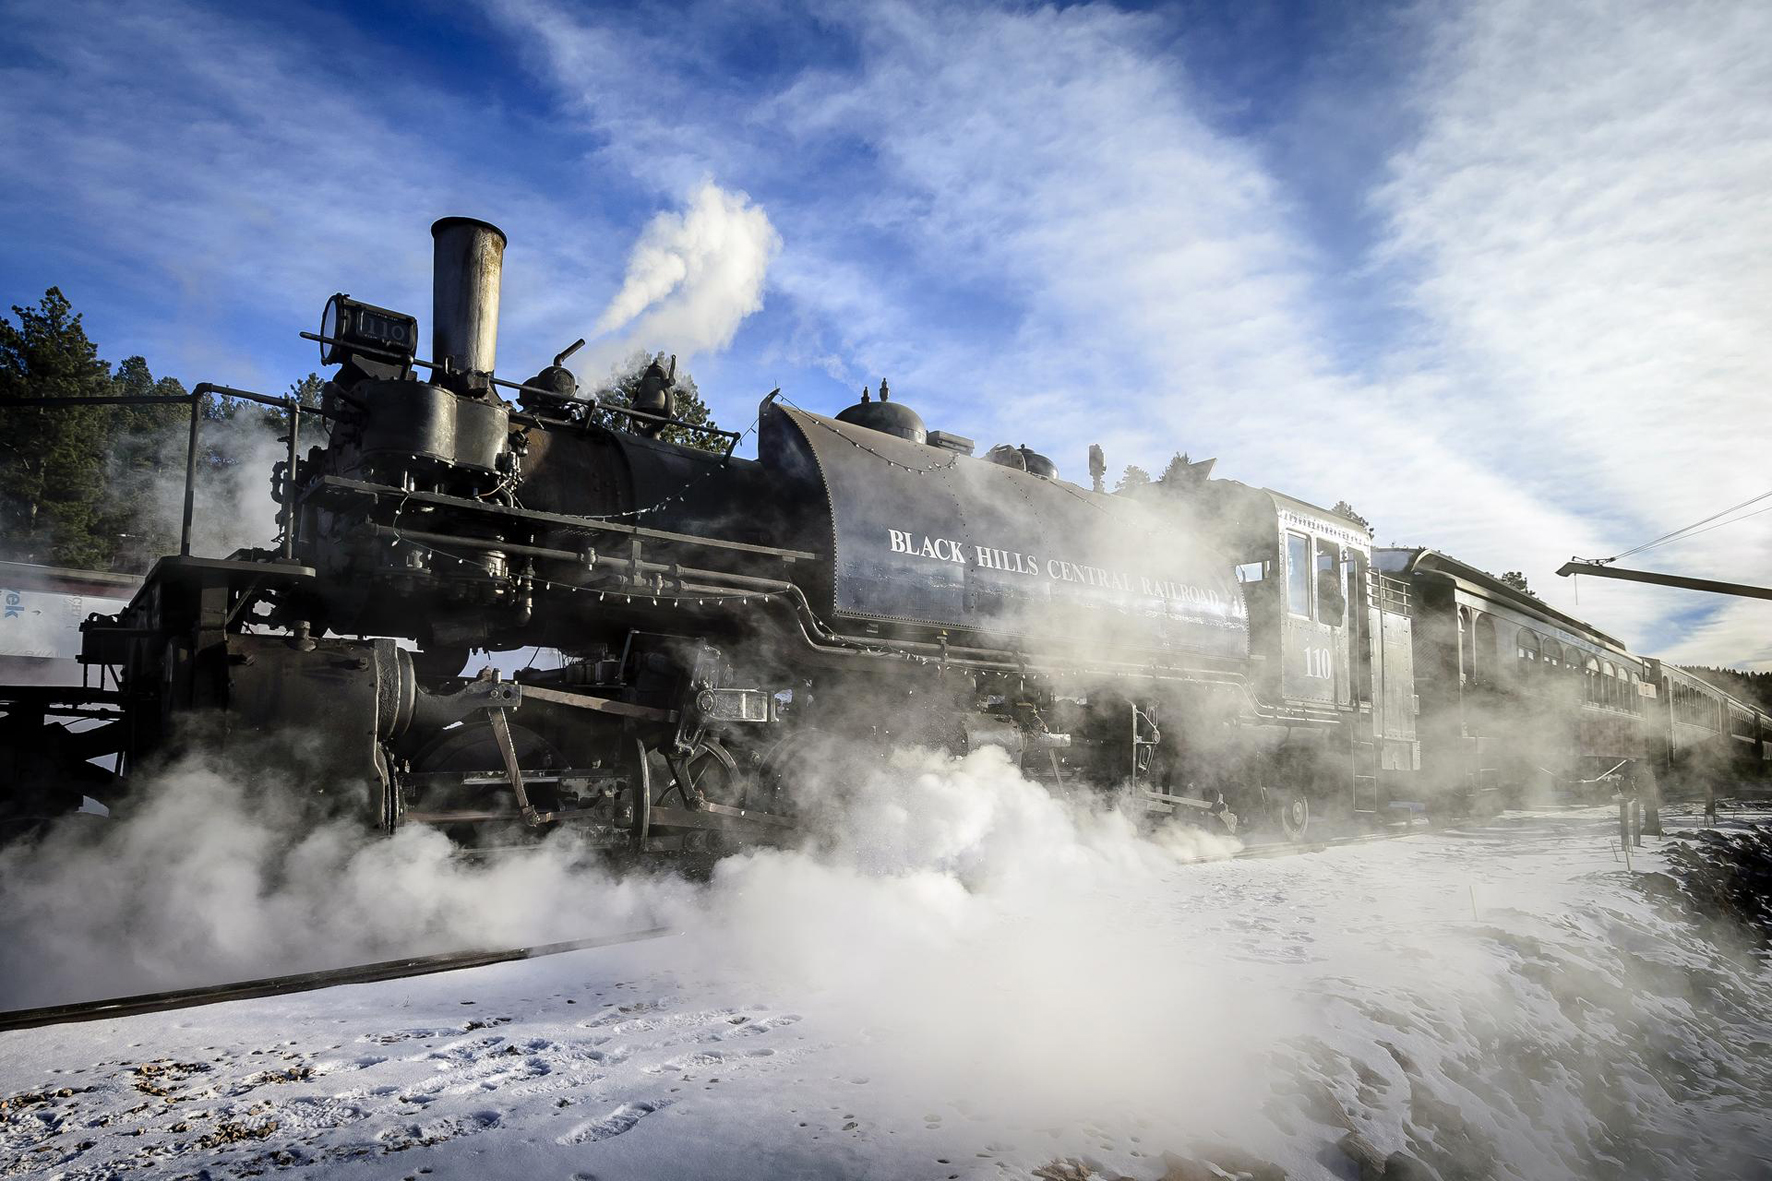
(1298, 574)
(1483, 641)
(1331, 600)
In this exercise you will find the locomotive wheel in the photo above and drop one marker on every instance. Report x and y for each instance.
(788, 765)
(711, 773)
(471, 747)
(640, 795)
(1292, 808)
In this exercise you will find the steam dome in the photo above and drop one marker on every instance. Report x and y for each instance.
(892, 418)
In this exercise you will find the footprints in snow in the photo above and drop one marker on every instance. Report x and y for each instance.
(620, 1120)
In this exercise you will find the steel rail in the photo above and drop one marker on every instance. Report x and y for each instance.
(1271, 849)
(412, 966)
(190, 998)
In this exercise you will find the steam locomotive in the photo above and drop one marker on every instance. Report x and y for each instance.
(1212, 651)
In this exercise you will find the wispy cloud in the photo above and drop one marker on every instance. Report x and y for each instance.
(1582, 226)
(241, 179)
(1510, 302)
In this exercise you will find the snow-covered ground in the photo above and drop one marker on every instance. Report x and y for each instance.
(985, 985)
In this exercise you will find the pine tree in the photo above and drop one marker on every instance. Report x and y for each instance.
(51, 458)
(1344, 509)
(689, 408)
(307, 391)
(146, 452)
(1133, 477)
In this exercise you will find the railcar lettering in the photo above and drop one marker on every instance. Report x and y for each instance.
(1005, 560)
(984, 557)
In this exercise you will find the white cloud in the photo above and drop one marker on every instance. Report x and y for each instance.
(247, 176)
(1571, 239)
(1583, 228)
(1036, 226)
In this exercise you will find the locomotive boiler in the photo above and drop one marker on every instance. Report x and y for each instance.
(720, 625)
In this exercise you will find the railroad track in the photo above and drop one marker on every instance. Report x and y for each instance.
(397, 969)
(1292, 848)
(215, 994)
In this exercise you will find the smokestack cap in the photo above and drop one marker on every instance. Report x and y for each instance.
(444, 223)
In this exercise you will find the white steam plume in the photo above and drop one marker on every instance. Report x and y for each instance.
(693, 276)
(963, 936)
(217, 875)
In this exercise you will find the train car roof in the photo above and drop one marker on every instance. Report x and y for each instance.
(1712, 688)
(1407, 561)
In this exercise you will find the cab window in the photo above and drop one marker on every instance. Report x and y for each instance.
(1298, 574)
(1331, 599)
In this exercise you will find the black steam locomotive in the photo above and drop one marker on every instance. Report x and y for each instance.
(1217, 652)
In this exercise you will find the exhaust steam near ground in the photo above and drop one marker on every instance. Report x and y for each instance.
(1493, 1001)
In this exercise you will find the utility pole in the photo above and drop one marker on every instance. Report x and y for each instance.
(1599, 570)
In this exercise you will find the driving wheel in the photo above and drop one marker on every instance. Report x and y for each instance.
(1293, 810)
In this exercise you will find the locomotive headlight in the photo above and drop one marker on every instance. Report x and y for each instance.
(349, 328)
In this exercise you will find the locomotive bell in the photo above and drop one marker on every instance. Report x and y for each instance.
(887, 416)
(1007, 456)
(1022, 459)
(657, 395)
(1038, 464)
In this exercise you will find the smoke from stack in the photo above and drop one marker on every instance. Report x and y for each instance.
(692, 278)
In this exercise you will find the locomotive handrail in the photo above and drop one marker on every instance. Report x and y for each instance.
(562, 555)
(626, 411)
(194, 400)
(562, 519)
(813, 631)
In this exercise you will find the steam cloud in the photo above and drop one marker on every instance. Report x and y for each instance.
(693, 276)
(216, 875)
(233, 506)
(971, 936)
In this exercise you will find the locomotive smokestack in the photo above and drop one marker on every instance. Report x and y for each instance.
(466, 266)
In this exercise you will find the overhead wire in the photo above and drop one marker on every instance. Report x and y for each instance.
(1694, 529)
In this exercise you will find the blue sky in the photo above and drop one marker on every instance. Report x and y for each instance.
(1497, 274)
